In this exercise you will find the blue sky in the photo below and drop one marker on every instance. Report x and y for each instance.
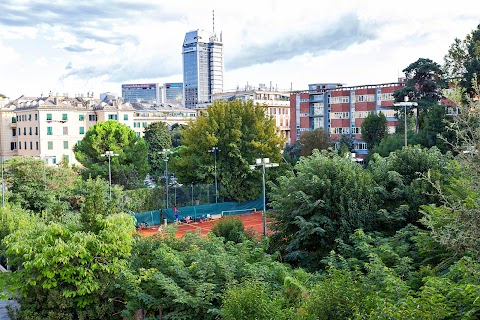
(83, 46)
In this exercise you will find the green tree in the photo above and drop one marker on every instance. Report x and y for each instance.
(67, 271)
(251, 300)
(327, 198)
(242, 132)
(346, 144)
(186, 278)
(158, 138)
(175, 134)
(434, 127)
(36, 186)
(455, 221)
(291, 152)
(462, 62)
(424, 85)
(128, 169)
(374, 128)
(401, 184)
(230, 228)
(316, 139)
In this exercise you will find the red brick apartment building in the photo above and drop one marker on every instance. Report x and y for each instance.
(341, 110)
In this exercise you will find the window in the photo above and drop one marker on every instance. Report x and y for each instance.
(25, 145)
(14, 132)
(66, 158)
(19, 132)
(36, 131)
(49, 116)
(29, 117)
(81, 117)
(356, 130)
(49, 131)
(30, 131)
(112, 117)
(25, 131)
(125, 117)
(64, 116)
(50, 145)
(386, 97)
(360, 146)
(31, 145)
(65, 144)
(340, 130)
(82, 130)
(144, 124)
(65, 131)
(340, 115)
(92, 117)
(36, 145)
(36, 116)
(13, 145)
(341, 99)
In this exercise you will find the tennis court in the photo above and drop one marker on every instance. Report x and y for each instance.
(252, 221)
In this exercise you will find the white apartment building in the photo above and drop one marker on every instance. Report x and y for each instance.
(278, 104)
(49, 127)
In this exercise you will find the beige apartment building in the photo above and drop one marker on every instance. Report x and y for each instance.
(49, 127)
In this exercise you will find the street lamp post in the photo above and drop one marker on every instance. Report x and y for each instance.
(192, 194)
(110, 154)
(264, 163)
(3, 187)
(215, 150)
(166, 152)
(405, 104)
(45, 162)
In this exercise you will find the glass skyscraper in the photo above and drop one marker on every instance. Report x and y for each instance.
(202, 67)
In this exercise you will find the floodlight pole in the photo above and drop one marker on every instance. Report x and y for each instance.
(110, 154)
(405, 104)
(215, 150)
(166, 152)
(264, 163)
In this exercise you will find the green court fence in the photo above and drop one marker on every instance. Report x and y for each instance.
(155, 217)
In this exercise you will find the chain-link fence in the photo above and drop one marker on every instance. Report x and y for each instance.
(190, 195)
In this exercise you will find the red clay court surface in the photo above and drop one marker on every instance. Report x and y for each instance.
(252, 221)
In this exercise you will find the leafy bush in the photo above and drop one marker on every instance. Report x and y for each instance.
(230, 228)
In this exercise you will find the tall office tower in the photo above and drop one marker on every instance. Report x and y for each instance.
(202, 67)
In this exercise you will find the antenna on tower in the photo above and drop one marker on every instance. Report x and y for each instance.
(213, 20)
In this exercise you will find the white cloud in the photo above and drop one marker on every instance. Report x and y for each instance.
(88, 46)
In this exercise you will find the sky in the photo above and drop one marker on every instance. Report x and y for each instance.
(84, 46)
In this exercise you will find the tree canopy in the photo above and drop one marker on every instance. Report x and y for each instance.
(425, 84)
(128, 169)
(316, 139)
(462, 62)
(158, 138)
(374, 128)
(327, 197)
(242, 132)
